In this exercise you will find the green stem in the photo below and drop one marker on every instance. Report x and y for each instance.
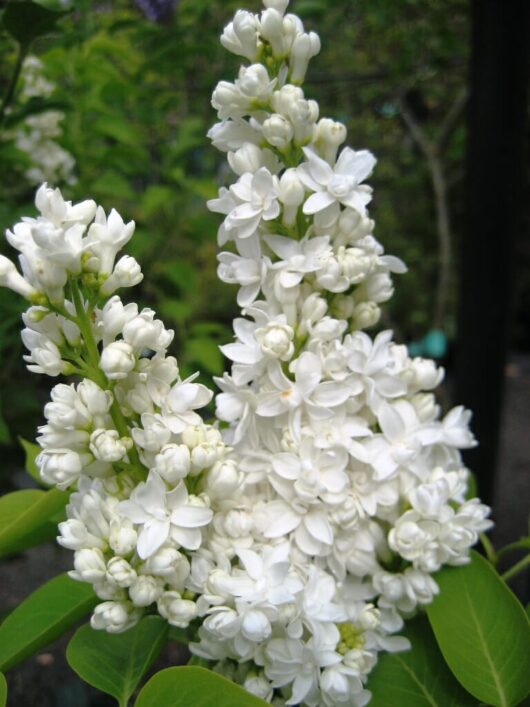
(85, 327)
(489, 549)
(96, 374)
(518, 567)
(8, 98)
(523, 544)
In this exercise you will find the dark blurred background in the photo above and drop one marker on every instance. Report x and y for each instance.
(437, 89)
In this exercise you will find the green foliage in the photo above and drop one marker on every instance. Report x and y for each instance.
(182, 687)
(3, 690)
(31, 450)
(24, 517)
(25, 21)
(116, 663)
(483, 632)
(417, 677)
(42, 617)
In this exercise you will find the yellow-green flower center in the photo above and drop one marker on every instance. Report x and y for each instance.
(351, 637)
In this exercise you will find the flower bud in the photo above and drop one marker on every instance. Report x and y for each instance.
(122, 537)
(276, 340)
(238, 523)
(177, 611)
(335, 686)
(106, 445)
(378, 287)
(248, 158)
(61, 467)
(329, 135)
(240, 36)
(146, 332)
(173, 462)
(259, 686)
(278, 5)
(90, 565)
(114, 316)
(291, 191)
(11, 278)
(304, 47)
(165, 562)
(115, 616)
(366, 314)
(145, 590)
(74, 535)
(271, 29)
(96, 400)
(120, 572)
(44, 356)
(426, 375)
(224, 623)
(117, 360)
(313, 308)
(228, 100)
(127, 273)
(224, 478)
(203, 456)
(278, 131)
(370, 617)
(255, 626)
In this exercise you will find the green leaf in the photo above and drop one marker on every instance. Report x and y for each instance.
(31, 450)
(186, 686)
(23, 513)
(42, 617)
(417, 677)
(115, 663)
(3, 690)
(25, 21)
(472, 488)
(118, 128)
(483, 632)
(205, 353)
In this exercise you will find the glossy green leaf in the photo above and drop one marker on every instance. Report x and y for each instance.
(418, 677)
(3, 690)
(25, 21)
(483, 632)
(23, 514)
(115, 663)
(42, 617)
(31, 450)
(186, 686)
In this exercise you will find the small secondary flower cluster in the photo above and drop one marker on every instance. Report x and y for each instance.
(127, 436)
(354, 491)
(37, 134)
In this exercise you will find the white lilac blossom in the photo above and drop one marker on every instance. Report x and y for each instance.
(37, 134)
(345, 488)
(294, 539)
(127, 439)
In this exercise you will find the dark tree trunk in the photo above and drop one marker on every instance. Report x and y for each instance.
(495, 179)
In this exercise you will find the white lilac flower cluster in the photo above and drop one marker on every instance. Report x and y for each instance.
(37, 134)
(353, 491)
(126, 439)
(293, 543)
